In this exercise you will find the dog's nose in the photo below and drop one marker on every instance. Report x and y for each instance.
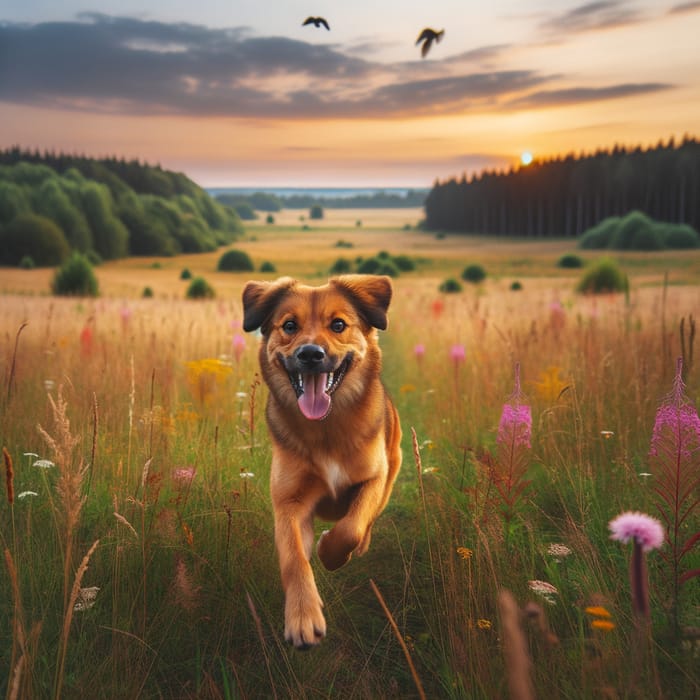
(310, 355)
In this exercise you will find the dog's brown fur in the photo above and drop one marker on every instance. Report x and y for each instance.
(340, 466)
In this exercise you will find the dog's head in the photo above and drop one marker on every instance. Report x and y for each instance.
(319, 343)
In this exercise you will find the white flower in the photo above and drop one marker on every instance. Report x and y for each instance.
(49, 384)
(43, 464)
(86, 598)
(24, 494)
(246, 475)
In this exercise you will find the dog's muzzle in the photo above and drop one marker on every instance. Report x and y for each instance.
(314, 376)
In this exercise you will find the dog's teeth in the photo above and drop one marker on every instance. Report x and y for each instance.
(329, 381)
(300, 381)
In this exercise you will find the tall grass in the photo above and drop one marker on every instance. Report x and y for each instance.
(158, 497)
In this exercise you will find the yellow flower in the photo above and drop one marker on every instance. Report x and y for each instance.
(464, 552)
(205, 376)
(407, 388)
(604, 625)
(550, 385)
(483, 624)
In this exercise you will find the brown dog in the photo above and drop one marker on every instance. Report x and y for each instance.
(335, 433)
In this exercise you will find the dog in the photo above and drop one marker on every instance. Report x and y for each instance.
(335, 434)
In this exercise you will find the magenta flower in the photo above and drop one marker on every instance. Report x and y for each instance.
(183, 477)
(515, 425)
(419, 351)
(646, 531)
(457, 353)
(238, 345)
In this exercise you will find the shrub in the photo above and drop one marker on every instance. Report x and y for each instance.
(634, 232)
(515, 286)
(147, 293)
(600, 235)
(343, 244)
(570, 261)
(450, 286)
(75, 278)
(270, 219)
(27, 263)
(245, 211)
(604, 277)
(474, 274)
(235, 261)
(200, 289)
(267, 266)
(316, 212)
(33, 236)
(681, 236)
(369, 266)
(186, 274)
(341, 266)
(404, 263)
(387, 267)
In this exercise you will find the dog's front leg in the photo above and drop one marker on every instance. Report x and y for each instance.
(304, 624)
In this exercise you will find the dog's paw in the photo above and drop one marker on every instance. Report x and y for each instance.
(334, 550)
(304, 624)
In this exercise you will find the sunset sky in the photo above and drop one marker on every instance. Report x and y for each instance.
(239, 93)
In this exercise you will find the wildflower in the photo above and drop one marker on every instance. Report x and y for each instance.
(430, 470)
(604, 625)
(457, 353)
(419, 351)
(483, 624)
(24, 494)
(438, 306)
(43, 464)
(465, 552)
(86, 339)
(183, 477)
(597, 611)
(49, 384)
(648, 532)
(246, 475)
(407, 388)
(607, 434)
(241, 395)
(237, 345)
(558, 551)
(551, 386)
(544, 589)
(515, 426)
(86, 598)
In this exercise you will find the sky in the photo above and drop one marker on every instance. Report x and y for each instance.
(240, 93)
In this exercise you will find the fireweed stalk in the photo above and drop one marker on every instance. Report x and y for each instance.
(513, 449)
(674, 460)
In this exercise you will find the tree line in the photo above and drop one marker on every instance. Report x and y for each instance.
(51, 204)
(567, 195)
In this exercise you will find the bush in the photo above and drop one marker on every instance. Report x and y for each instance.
(474, 274)
(245, 211)
(36, 237)
(267, 266)
(75, 278)
(515, 286)
(270, 219)
(404, 263)
(27, 263)
(186, 274)
(341, 266)
(316, 212)
(147, 293)
(681, 237)
(369, 266)
(570, 261)
(200, 289)
(605, 277)
(450, 286)
(600, 235)
(235, 261)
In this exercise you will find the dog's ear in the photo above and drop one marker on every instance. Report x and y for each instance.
(369, 294)
(260, 300)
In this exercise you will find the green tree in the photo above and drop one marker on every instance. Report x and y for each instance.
(13, 201)
(51, 200)
(75, 278)
(34, 236)
(110, 236)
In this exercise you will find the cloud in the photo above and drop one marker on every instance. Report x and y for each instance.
(132, 66)
(684, 8)
(553, 98)
(605, 14)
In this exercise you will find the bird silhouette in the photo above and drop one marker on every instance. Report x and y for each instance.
(427, 36)
(316, 21)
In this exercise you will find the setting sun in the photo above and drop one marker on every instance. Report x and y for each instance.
(526, 158)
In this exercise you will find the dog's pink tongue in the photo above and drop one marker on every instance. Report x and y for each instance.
(314, 403)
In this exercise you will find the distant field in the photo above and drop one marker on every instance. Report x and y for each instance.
(307, 248)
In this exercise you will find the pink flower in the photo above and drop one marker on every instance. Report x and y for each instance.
(645, 530)
(238, 345)
(457, 353)
(419, 351)
(515, 425)
(183, 477)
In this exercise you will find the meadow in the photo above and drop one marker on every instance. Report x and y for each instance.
(137, 531)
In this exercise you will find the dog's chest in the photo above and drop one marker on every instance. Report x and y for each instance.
(336, 476)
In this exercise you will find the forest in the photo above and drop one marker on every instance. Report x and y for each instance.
(52, 204)
(565, 196)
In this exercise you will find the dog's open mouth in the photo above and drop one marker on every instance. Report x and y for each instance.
(314, 390)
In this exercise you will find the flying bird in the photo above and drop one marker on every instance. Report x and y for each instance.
(427, 36)
(316, 21)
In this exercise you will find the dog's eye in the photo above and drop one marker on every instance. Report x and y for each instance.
(338, 325)
(289, 327)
